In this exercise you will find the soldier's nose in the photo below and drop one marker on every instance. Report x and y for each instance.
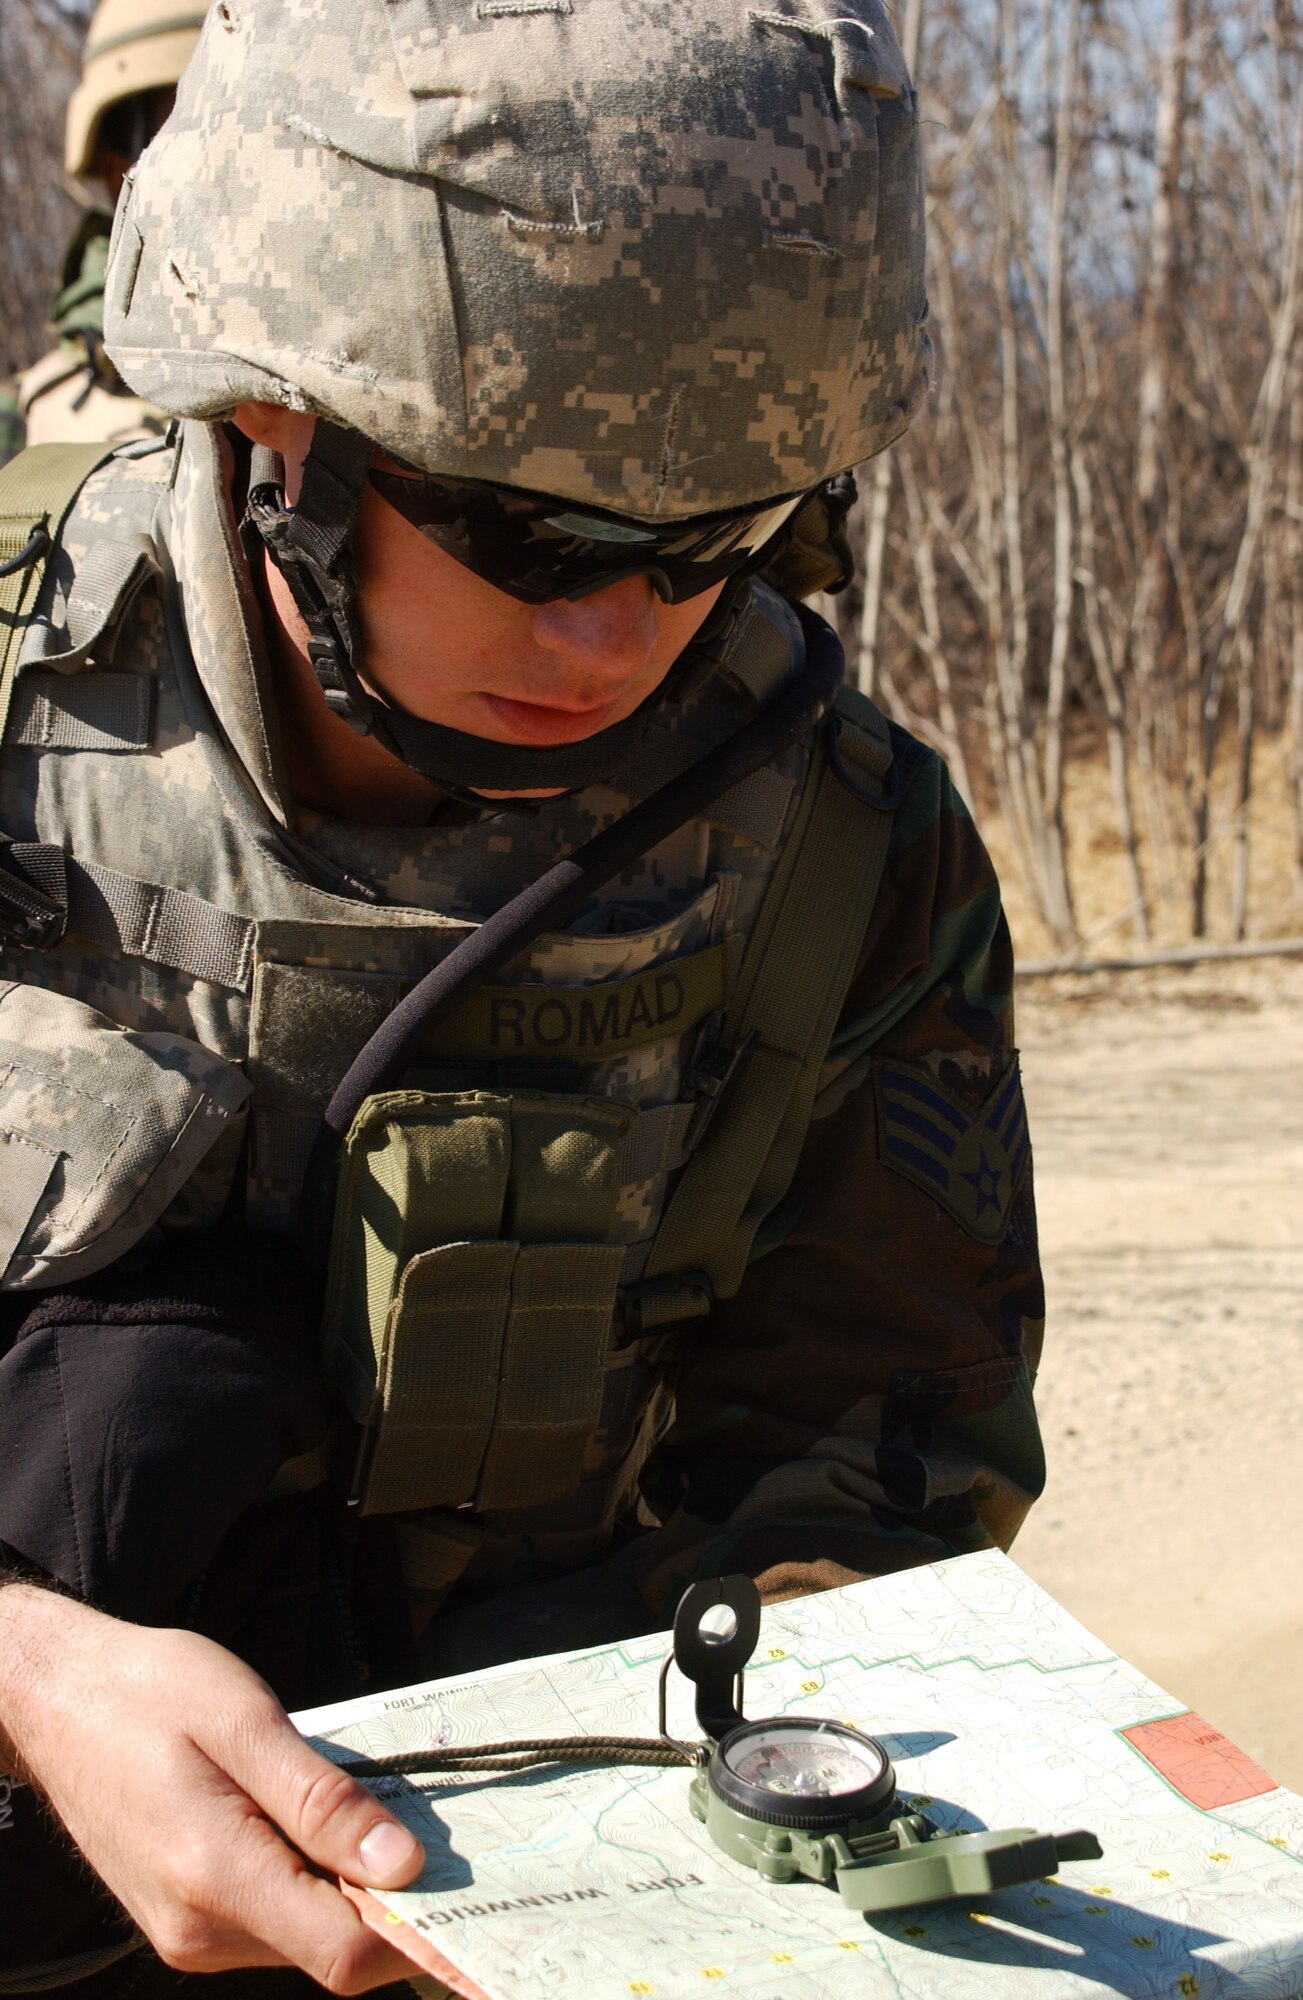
(609, 634)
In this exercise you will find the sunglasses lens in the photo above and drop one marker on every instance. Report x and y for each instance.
(537, 549)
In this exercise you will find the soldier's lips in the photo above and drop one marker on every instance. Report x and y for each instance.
(538, 723)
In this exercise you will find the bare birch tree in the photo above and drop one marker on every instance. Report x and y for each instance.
(1090, 545)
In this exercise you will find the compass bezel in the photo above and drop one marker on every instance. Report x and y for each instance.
(870, 1804)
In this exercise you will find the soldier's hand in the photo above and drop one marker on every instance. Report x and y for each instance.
(183, 1782)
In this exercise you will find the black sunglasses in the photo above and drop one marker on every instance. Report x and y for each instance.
(537, 548)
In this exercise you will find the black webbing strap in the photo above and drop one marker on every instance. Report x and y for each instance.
(310, 546)
(334, 472)
(33, 893)
(549, 903)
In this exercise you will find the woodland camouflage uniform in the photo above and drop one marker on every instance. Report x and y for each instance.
(860, 1399)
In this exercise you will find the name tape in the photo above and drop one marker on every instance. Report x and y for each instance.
(587, 1023)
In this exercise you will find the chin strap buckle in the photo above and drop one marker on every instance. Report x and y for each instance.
(310, 546)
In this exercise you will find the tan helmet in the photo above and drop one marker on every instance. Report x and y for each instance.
(132, 46)
(658, 259)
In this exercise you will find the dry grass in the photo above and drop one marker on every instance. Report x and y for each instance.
(1097, 865)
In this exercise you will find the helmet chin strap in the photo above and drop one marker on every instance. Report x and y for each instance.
(311, 545)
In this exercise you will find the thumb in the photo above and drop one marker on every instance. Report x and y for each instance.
(323, 1812)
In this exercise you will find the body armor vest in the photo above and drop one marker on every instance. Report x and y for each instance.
(580, 1156)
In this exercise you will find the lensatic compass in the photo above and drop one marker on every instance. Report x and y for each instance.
(791, 1796)
(796, 1798)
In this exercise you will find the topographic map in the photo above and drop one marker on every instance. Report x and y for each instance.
(996, 1708)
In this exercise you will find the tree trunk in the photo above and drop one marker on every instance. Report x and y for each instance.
(875, 550)
(1012, 660)
(1232, 639)
(1057, 677)
(1114, 705)
(1246, 725)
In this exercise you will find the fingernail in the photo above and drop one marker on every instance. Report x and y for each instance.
(386, 1848)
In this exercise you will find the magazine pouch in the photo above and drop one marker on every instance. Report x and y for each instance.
(470, 1292)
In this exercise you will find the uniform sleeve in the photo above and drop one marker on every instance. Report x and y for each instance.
(864, 1402)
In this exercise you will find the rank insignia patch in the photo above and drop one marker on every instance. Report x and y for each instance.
(971, 1163)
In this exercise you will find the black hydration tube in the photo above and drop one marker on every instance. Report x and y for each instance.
(548, 903)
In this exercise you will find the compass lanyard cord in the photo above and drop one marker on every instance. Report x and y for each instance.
(526, 1753)
(549, 903)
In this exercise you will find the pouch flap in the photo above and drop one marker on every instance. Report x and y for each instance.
(102, 1128)
(25, 1169)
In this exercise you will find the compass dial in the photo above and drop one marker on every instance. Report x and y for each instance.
(798, 1773)
(806, 1763)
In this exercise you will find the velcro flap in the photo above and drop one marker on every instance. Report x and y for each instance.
(439, 1376)
(81, 711)
(125, 1118)
(25, 1168)
(558, 1330)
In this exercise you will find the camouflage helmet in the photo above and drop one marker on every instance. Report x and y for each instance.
(132, 46)
(661, 259)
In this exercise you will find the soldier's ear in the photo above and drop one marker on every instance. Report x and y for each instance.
(287, 431)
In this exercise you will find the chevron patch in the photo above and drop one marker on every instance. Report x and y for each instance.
(972, 1165)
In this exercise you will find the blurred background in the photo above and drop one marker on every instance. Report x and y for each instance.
(1080, 580)
(40, 43)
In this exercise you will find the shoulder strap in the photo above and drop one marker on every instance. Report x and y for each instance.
(37, 490)
(60, 365)
(789, 996)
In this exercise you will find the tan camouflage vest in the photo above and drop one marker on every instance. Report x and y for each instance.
(585, 1150)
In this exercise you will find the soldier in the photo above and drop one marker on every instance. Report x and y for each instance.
(135, 52)
(506, 1086)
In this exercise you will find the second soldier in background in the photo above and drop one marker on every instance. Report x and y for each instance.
(134, 55)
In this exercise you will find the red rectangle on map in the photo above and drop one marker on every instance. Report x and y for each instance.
(1198, 1761)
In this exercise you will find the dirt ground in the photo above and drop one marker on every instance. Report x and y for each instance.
(1167, 1117)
